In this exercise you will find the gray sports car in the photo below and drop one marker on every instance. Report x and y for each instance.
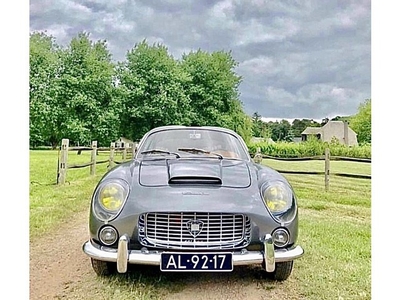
(193, 200)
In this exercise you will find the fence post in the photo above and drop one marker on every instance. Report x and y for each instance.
(63, 162)
(327, 168)
(111, 159)
(124, 152)
(93, 158)
(258, 156)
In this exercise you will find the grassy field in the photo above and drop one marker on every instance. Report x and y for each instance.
(335, 230)
(335, 227)
(52, 204)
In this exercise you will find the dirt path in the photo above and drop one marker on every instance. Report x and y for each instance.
(60, 270)
(57, 260)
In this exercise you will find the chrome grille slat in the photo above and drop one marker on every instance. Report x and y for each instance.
(169, 230)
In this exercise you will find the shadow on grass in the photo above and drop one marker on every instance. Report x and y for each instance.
(151, 276)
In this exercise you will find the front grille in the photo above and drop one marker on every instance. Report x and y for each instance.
(193, 230)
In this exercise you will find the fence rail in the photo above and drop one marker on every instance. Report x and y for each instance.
(63, 165)
(258, 157)
(318, 157)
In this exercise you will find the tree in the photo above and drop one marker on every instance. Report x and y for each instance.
(260, 128)
(257, 125)
(298, 126)
(213, 87)
(240, 122)
(78, 93)
(281, 131)
(152, 86)
(324, 121)
(200, 89)
(361, 122)
(88, 110)
(71, 92)
(44, 62)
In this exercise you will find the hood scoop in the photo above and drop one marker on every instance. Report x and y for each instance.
(187, 171)
(195, 172)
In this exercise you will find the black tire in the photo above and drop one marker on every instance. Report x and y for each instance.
(282, 271)
(103, 268)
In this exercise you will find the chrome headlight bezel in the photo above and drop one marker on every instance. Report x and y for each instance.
(280, 201)
(120, 189)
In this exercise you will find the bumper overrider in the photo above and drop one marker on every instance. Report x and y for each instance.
(123, 256)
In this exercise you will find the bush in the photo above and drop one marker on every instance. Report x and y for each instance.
(310, 148)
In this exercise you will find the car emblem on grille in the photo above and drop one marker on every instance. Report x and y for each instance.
(194, 227)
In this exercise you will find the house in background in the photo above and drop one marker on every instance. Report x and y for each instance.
(333, 129)
(122, 142)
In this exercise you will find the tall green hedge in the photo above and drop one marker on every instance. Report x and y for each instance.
(310, 148)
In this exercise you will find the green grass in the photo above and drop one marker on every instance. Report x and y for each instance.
(334, 230)
(319, 166)
(52, 204)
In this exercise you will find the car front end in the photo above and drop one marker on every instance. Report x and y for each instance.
(193, 214)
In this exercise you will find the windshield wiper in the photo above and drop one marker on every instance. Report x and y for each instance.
(197, 151)
(157, 151)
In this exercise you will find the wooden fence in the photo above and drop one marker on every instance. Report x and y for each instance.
(258, 157)
(63, 165)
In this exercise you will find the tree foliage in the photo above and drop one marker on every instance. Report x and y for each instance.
(86, 90)
(213, 86)
(239, 121)
(280, 130)
(213, 91)
(77, 92)
(152, 89)
(43, 72)
(361, 122)
(298, 126)
(71, 91)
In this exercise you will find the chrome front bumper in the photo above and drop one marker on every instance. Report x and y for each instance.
(122, 256)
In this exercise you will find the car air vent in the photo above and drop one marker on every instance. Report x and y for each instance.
(194, 180)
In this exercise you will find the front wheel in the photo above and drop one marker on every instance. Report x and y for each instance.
(282, 271)
(103, 268)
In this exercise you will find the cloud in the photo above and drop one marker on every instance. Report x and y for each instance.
(297, 58)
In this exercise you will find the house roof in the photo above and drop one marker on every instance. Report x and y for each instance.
(333, 123)
(124, 140)
(337, 126)
(312, 130)
(334, 126)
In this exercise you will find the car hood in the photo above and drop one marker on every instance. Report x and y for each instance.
(192, 171)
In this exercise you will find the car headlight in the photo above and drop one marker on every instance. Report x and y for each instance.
(109, 198)
(108, 235)
(280, 200)
(280, 237)
(277, 197)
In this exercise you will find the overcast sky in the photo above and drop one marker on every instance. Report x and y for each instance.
(297, 59)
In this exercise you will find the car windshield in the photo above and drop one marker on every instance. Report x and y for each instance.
(199, 142)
